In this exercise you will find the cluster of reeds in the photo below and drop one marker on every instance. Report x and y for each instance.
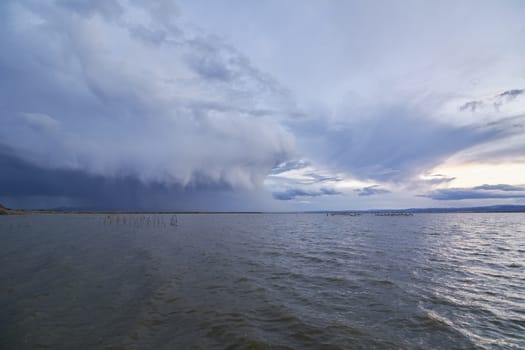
(140, 220)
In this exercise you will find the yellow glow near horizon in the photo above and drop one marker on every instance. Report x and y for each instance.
(472, 174)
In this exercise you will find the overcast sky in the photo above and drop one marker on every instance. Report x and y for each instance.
(261, 105)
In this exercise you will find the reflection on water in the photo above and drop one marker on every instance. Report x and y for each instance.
(279, 281)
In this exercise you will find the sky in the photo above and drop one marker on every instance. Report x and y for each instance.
(261, 105)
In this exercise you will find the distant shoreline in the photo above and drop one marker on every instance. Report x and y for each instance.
(119, 212)
(381, 212)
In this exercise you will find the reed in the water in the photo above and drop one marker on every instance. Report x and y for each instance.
(142, 220)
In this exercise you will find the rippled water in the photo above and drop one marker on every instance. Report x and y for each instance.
(263, 281)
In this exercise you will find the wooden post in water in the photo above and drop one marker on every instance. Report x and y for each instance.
(173, 221)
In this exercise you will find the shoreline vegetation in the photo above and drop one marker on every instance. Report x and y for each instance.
(377, 212)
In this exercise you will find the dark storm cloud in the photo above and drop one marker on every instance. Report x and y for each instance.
(119, 90)
(371, 190)
(479, 192)
(21, 179)
(23, 184)
(294, 193)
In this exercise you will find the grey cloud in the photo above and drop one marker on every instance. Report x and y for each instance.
(317, 178)
(40, 122)
(371, 190)
(496, 101)
(508, 147)
(294, 193)
(155, 37)
(210, 67)
(309, 178)
(500, 187)
(512, 94)
(419, 184)
(501, 191)
(438, 179)
(304, 181)
(289, 165)
(394, 145)
(106, 8)
(471, 106)
(506, 97)
(508, 122)
(219, 63)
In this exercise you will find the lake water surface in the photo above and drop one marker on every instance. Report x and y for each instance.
(262, 281)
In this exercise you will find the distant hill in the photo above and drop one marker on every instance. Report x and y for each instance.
(3, 210)
(8, 211)
(486, 209)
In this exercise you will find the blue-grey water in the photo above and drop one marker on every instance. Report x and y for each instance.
(262, 281)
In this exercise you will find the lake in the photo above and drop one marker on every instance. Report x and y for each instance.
(262, 281)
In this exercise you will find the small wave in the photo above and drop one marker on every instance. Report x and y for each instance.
(215, 286)
(382, 282)
(242, 280)
(250, 343)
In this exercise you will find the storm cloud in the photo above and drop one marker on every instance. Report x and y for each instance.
(118, 89)
(26, 185)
